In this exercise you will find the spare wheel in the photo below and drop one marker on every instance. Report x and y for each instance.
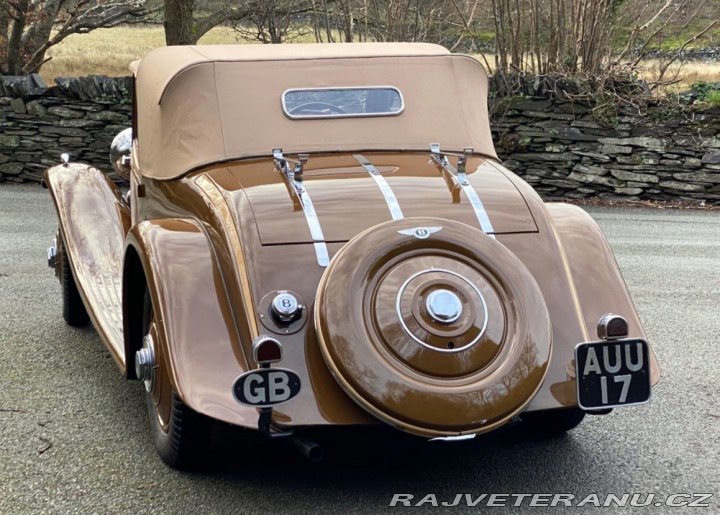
(433, 327)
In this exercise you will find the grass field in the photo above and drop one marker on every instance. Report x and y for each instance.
(686, 73)
(110, 51)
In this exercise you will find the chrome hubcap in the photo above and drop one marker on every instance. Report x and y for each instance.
(443, 306)
(145, 363)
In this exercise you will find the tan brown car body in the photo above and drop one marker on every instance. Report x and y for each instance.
(212, 229)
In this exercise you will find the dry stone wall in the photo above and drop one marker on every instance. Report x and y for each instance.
(78, 116)
(563, 151)
(557, 146)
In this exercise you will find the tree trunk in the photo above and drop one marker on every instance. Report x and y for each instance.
(4, 27)
(179, 24)
(12, 64)
(347, 21)
(35, 37)
(28, 28)
(328, 27)
(316, 22)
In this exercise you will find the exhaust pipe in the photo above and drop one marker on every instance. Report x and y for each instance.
(311, 450)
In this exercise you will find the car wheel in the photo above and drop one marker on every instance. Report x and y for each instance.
(74, 311)
(181, 435)
(552, 422)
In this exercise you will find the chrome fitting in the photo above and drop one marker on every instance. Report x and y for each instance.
(285, 307)
(52, 256)
(612, 326)
(443, 306)
(145, 363)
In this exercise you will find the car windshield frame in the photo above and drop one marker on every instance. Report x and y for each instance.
(333, 114)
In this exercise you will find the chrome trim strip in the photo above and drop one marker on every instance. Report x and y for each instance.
(460, 178)
(458, 438)
(390, 198)
(294, 178)
(418, 340)
(321, 252)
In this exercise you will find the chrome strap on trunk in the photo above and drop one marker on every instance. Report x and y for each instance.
(459, 177)
(294, 181)
(390, 198)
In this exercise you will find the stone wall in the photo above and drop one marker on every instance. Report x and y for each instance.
(557, 146)
(78, 116)
(563, 151)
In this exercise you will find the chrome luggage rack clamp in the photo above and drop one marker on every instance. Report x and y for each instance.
(457, 177)
(301, 199)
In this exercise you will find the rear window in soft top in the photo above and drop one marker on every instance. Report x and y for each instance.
(342, 102)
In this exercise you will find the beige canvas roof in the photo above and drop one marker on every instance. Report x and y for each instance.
(198, 105)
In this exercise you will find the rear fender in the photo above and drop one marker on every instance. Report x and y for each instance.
(197, 330)
(93, 221)
(599, 286)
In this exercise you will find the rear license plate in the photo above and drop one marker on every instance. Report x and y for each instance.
(612, 373)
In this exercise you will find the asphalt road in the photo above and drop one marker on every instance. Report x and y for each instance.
(74, 438)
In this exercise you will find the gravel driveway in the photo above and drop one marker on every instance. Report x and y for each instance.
(74, 437)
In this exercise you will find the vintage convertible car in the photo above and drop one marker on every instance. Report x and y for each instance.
(323, 235)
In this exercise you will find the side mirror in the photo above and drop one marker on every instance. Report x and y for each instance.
(120, 150)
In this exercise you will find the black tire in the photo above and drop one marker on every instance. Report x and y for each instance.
(187, 440)
(551, 423)
(74, 311)
(181, 435)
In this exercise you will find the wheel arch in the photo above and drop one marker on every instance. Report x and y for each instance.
(174, 259)
(133, 287)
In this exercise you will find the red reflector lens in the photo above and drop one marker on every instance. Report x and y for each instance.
(617, 328)
(267, 350)
(612, 326)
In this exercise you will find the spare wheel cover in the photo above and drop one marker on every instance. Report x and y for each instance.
(433, 326)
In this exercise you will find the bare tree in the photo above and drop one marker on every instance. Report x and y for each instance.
(578, 36)
(29, 27)
(184, 26)
(651, 23)
(326, 19)
(346, 19)
(274, 21)
(447, 21)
